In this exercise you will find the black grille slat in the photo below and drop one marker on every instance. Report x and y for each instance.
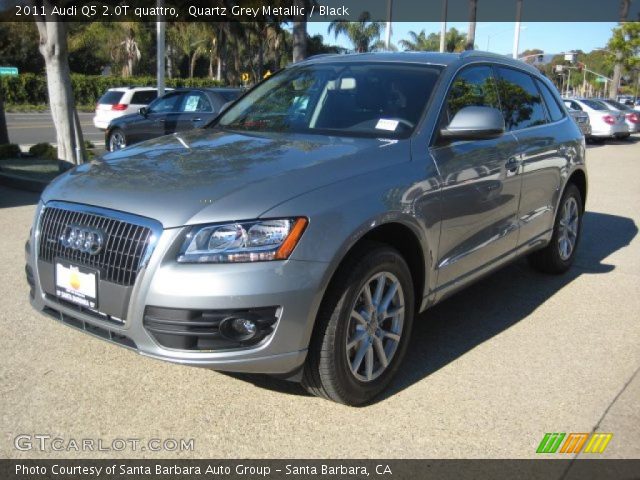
(120, 258)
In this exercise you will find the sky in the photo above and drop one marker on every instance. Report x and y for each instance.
(554, 37)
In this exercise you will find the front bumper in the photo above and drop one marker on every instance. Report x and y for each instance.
(295, 287)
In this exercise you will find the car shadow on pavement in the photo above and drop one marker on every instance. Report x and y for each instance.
(485, 309)
(11, 197)
(632, 140)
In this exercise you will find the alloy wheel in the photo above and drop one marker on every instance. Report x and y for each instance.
(375, 326)
(568, 228)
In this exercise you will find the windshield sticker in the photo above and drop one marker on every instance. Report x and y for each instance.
(386, 124)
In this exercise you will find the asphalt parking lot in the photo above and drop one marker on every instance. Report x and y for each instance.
(488, 373)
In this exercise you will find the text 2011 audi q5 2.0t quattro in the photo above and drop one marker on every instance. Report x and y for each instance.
(300, 233)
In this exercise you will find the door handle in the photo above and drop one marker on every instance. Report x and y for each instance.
(196, 119)
(161, 120)
(512, 164)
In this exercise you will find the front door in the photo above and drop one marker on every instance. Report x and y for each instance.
(480, 185)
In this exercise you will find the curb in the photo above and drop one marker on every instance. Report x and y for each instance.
(22, 183)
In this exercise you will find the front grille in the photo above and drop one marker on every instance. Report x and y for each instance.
(118, 261)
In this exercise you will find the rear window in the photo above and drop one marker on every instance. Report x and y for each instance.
(112, 97)
(144, 98)
(618, 105)
(594, 105)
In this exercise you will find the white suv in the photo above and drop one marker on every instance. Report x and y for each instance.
(120, 101)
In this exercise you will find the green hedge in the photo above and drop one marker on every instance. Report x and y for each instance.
(30, 88)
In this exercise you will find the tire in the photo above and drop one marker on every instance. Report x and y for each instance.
(117, 140)
(329, 370)
(556, 257)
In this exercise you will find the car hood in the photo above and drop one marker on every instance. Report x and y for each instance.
(212, 175)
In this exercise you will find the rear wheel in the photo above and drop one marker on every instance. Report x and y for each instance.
(362, 329)
(559, 254)
(117, 140)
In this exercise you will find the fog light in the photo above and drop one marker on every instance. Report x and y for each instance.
(239, 328)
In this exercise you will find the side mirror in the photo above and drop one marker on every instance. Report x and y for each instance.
(475, 123)
(143, 111)
(224, 107)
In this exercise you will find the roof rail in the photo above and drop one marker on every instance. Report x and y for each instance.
(320, 55)
(481, 53)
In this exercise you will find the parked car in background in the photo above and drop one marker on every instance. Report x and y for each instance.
(176, 111)
(582, 119)
(301, 232)
(117, 102)
(632, 117)
(605, 123)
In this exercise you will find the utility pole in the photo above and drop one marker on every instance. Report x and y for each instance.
(387, 33)
(160, 40)
(443, 23)
(516, 34)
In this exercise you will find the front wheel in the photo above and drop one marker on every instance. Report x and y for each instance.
(363, 327)
(117, 140)
(559, 254)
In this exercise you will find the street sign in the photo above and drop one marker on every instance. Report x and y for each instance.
(8, 70)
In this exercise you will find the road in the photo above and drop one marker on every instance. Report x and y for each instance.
(488, 372)
(27, 129)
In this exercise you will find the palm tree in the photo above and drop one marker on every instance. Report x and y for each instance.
(471, 35)
(417, 42)
(190, 39)
(363, 34)
(454, 41)
(299, 32)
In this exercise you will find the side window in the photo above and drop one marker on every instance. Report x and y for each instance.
(474, 86)
(195, 102)
(521, 103)
(144, 97)
(168, 103)
(555, 112)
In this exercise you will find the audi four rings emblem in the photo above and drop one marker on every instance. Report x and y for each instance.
(84, 239)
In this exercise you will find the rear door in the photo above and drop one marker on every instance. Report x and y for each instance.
(196, 110)
(480, 185)
(545, 137)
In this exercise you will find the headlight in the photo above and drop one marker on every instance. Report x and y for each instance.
(256, 241)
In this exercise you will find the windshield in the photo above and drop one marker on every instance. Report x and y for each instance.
(370, 99)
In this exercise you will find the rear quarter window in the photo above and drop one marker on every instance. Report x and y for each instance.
(112, 97)
(555, 112)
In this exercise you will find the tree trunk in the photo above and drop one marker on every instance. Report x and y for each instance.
(4, 135)
(300, 33)
(53, 47)
(169, 61)
(219, 68)
(471, 34)
(617, 69)
(192, 64)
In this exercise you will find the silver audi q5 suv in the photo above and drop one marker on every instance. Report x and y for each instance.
(300, 233)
